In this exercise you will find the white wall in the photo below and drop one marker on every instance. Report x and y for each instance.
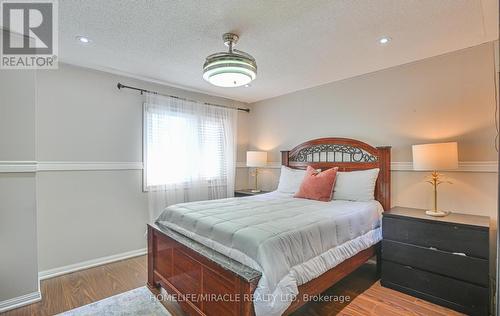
(18, 244)
(83, 117)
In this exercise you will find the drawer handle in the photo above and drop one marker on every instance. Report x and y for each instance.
(408, 267)
(453, 253)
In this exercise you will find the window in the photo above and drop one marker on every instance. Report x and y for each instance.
(188, 145)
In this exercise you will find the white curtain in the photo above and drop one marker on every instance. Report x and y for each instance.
(189, 152)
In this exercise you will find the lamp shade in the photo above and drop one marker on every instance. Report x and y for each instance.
(434, 157)
(256, 158)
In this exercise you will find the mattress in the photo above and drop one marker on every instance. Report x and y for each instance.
(291, 241)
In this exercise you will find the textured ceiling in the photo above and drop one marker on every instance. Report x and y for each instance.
(297, 43)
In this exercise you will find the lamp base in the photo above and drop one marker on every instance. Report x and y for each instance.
(255, 191)
(437, 213)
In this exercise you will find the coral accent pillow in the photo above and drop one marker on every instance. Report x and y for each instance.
(317, 185)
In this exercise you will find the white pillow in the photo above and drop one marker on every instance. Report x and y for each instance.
(355, 185)
(290, 180)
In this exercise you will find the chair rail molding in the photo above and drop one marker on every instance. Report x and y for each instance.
(37, 166)
(463, 166)
(87, 165)
(17, 166)
(40, 166)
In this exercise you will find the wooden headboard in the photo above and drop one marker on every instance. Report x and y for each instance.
(348, 155)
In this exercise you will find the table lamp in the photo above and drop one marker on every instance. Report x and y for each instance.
(256, 159)
(435, 157)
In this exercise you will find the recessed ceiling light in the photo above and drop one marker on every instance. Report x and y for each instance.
(247, 86)
(384, 40)
(83, 39)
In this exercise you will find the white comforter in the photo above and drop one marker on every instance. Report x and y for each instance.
(291, 241)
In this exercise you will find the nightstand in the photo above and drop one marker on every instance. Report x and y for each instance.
(444, 260)
(248, 192)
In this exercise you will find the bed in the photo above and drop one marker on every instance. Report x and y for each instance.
(264, 255)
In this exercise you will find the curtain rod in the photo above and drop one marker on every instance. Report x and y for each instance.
(120, 86)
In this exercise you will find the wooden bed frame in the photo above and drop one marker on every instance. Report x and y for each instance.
(189, 275)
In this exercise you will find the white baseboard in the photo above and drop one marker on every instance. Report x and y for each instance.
(20, 301)
(47, 274)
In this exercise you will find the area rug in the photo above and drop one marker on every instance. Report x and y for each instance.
(139, 301)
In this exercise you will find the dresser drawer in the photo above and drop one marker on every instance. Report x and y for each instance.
(444, 236)
(464, 268)
(459, 295)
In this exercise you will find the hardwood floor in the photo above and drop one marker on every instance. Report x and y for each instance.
(366, 295)
(76, 289)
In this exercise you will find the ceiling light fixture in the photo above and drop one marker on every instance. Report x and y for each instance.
(384, 40)
(83, 39)
(232, 69)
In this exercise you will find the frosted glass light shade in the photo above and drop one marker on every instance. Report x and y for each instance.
(434, 157)
(229, 69)
(231, 78)
(256, 158)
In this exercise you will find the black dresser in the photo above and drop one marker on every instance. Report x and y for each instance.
(443, 260)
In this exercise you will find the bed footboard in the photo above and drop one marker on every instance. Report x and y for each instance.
(200, 286)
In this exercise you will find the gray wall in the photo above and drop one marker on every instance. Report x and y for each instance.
(18, 243)
(77, 115)
(445, 98)
(67, 119)
(83, 117)
(17, 114)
